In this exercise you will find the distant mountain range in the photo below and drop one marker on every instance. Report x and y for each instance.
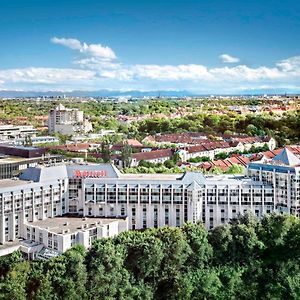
(99, 93)
(134, 93)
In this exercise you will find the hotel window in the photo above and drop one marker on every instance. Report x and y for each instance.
(112, 210)
(144, 217)
(185, 212)
(155, 217)
(166, 215)
(155, 195)
(177, 196)
(177, 217)
(133, 217)
(133, 195)
(111, 195)
(122, 210)
(55, 244)
(33, 234)
(41, 237)
(122, 195)
(90, 211)
(89, 194)
(100, 194)
(101, 211)
(50, 240)
(166, 196)
(144, 195)
(72, 208)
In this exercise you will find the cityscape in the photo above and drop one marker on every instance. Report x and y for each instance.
(130, 170)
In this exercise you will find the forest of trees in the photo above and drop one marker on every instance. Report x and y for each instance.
(247, 259)
(285, 129)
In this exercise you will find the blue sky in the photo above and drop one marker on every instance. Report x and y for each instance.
(203, 46)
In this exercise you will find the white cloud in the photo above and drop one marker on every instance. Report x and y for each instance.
(291, 64)
(97, 68)
(45, 75)
(70, 43)
(94, 50)
(226, 58)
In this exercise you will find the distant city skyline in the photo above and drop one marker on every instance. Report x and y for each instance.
(218, 47)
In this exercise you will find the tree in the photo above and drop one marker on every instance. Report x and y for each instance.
(169, 163)
(251, 130)
(14, 284)
(221, 155)
(176, 252)
(245, 259)
(217, 170)
(107, 277)
(140, 260)
(105, 151)
(197, 238)
(235, 169)
(126, 153)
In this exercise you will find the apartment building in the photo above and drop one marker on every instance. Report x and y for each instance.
(67, 121)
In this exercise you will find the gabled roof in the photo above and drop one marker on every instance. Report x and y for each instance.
(194, 177)
(155, 154)
(43, 174)
(286, 157)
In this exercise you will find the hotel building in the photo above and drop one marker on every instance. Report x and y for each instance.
(94, 196)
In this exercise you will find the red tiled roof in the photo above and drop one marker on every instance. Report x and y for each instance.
(178, 138)
(72, 147)
(206, 146)
(225, 164)
(153, 154)
(133, 143)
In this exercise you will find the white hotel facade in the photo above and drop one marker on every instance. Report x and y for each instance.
(108, 202)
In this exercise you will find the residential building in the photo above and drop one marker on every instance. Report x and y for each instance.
(38, 140)
(178, 139)
(245, 143)
(154, 156)
(68, 121)
(11, 132)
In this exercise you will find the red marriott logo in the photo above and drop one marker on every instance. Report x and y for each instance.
(89, 173)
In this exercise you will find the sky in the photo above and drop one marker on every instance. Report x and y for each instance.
(229, 46)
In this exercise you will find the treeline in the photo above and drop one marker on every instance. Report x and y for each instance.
(246, 259)
(29, 108)
(201, 117)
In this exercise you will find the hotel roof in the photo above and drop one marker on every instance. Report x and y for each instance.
(287, 158)
(68, 225)
(8, 183)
